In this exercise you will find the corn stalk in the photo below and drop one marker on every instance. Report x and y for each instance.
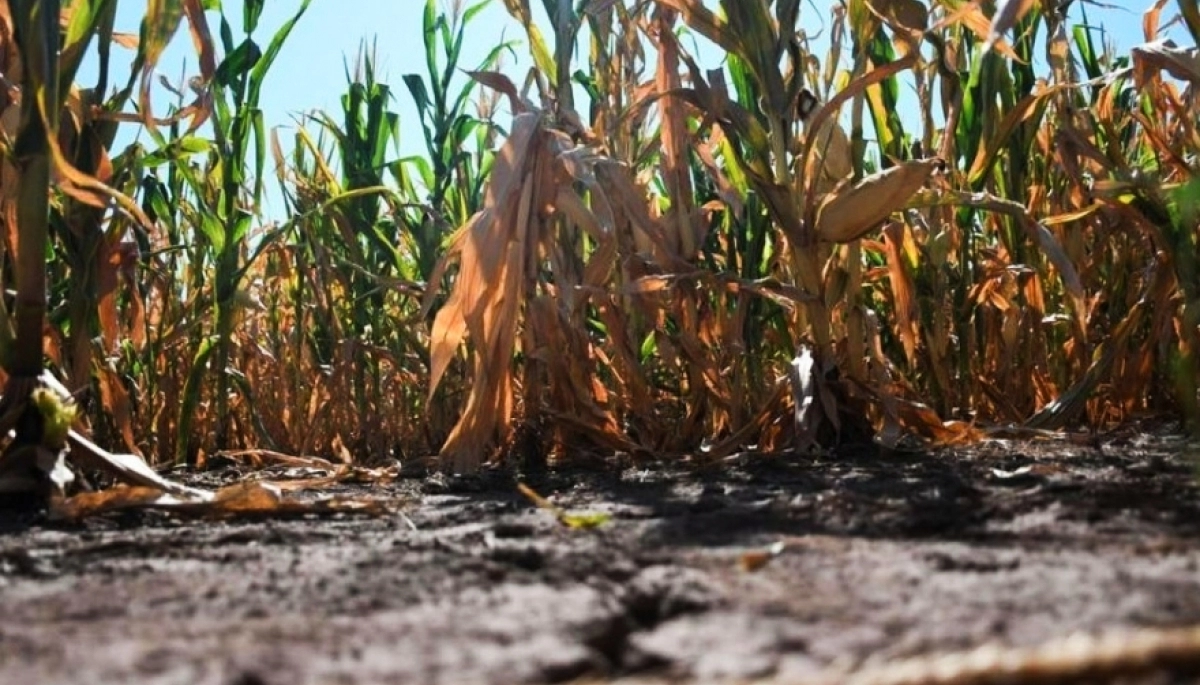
(229, 191)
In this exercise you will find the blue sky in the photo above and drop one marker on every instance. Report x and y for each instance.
(310, 73)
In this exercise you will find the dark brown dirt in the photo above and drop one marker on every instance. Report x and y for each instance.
(883, 557)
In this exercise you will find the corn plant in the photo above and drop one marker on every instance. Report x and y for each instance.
(49, 46)
(228, 190)
(36, 33)
(451, 175)
(909, 278)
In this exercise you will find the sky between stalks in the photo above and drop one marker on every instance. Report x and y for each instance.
(310, 72)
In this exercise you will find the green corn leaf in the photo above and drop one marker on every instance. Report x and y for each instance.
(226, 36)
(884, 99)
(158, 28)
(429, 25)
(155, 201)
(232, 71)
(260, 150)
(178, 150)
(86, 18)
(191, 397)
(251, 12)
(241, 228)
(470, 12)
(463, 126)
(212, 229)
(1087, 51)
(543, 57)
(423, 168)
(263, 65)
(416, 87)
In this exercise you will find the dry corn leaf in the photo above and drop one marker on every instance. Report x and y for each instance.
(1150, 20)
(128, 468)
(707, 23)
(898, 240)
(1164, 55)
(241, 499)
(480, 244)
(921, 420)
(1058, 54)
(829, 109)
(675, 141)
(1074, 400)
(1008, 14)
(116, 401)
(850, 213)
(911, 14)
(504, 85)
(129, 41)
(1030, 107)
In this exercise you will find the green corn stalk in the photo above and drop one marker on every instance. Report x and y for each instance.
(165, 197)
(751, 244)
(226, 214)
(364, 239)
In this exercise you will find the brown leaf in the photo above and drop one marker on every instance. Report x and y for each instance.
(1164, 55)
(115, 399)
(687, 233)
(897, 240)
(1008, 14)
(504, 85)
(756, 560)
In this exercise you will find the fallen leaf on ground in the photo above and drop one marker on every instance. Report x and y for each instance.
(247, 499)
(574, 521)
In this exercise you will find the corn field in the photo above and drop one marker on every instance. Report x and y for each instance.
(623, 250)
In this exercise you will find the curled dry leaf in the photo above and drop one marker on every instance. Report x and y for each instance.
(1164, 55)
(1008, 13)
(970, 16)
(920, 420)
(504, 85)
(850, 213)
(910, 14)
(254, 499)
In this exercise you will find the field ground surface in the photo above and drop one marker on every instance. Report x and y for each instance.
(785, 568)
